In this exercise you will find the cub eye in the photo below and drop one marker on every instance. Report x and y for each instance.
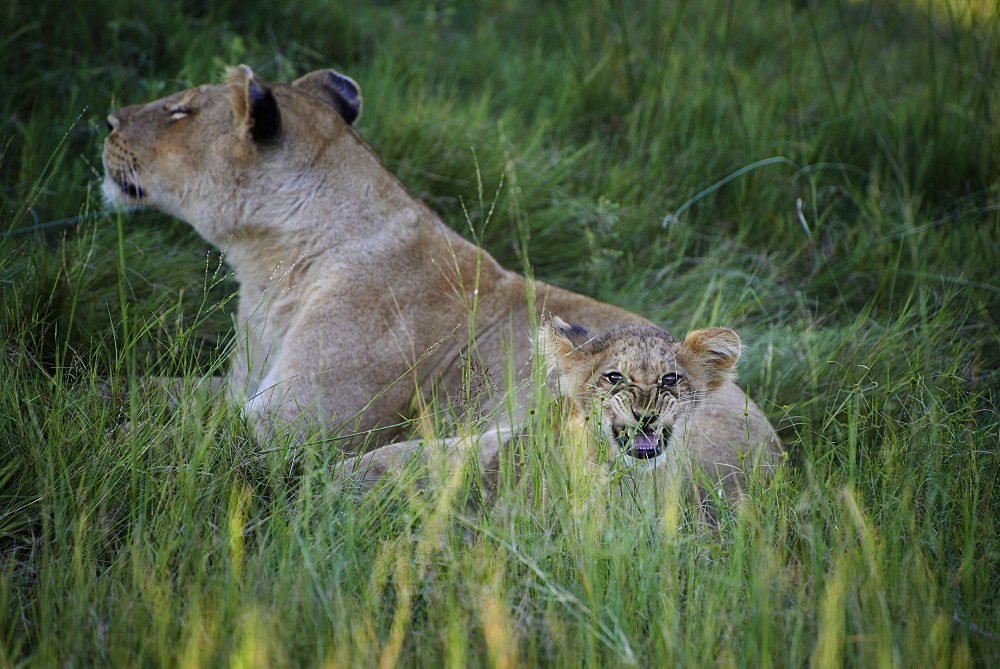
(670, 380)
(614, 378)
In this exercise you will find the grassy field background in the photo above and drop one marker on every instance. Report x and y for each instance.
(820, 176)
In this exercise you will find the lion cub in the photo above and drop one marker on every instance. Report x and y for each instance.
(639, 391)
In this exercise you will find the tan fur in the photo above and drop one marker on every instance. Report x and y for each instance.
(641, 395)
(356, 300)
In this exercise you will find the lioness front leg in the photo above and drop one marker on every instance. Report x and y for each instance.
(438, 463)
(392, 460)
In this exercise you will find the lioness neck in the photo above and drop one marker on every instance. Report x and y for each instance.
(339, 209)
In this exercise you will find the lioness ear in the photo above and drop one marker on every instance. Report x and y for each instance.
(711, 354)
(253, 103)
(333, 88)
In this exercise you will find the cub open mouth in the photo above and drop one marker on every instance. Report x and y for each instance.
(642, 444)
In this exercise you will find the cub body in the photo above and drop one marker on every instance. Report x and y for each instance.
(645, 396)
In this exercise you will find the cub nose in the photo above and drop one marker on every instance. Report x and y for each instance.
(645, 418)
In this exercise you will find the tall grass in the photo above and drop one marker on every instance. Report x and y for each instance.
(820, 176)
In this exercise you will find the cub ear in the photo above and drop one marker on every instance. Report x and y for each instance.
(562, 341)
(569, 333)
(333, 88)
(566, 351)
(711, 354)
(253, 103)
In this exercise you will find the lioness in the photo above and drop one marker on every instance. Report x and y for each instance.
(357, 303)
(642, 392)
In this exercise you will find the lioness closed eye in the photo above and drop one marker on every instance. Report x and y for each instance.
(642, 392)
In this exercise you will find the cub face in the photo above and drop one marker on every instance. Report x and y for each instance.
(642, 386)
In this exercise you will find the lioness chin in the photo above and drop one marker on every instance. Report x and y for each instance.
(357, 303)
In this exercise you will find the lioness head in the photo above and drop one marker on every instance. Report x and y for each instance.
(199, 154)
(641, 385)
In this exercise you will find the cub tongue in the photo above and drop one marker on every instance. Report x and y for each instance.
(644, 442)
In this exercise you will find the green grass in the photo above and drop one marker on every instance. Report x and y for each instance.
(822, 177)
